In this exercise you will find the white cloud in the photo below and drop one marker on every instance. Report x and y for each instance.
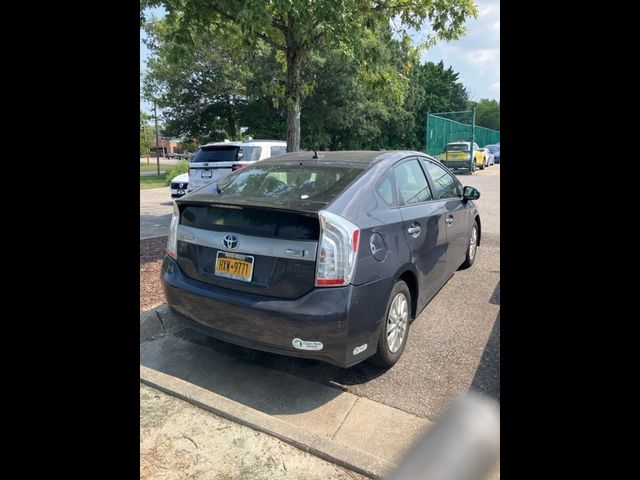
(482, 56)
(476, 55)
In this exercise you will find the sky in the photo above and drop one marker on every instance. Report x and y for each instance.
(475, 56)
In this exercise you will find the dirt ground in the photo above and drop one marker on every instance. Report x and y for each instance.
(180, 441)
(151, 255)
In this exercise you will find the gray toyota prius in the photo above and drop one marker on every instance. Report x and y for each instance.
(329, 257)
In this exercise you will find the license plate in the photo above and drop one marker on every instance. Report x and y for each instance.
(233, 265)
(206, 174)
(180, 192)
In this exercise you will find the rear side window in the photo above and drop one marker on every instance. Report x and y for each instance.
(217, 153)
(412, 184)
(251, 154)
(387, 189)
(445, 185)
(277, 150)
(319, 183)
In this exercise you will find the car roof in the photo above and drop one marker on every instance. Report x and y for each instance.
(246, 142)
(363, 157)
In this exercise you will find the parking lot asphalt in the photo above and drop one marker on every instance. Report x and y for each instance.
(156, 207)
(453, 345)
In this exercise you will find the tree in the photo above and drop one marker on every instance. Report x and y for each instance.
(199, 85)
(488, 113)
(297, 28)
(348, 104)
(432, 89)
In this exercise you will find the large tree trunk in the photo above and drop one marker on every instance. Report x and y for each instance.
(232, 128)
(293, 89)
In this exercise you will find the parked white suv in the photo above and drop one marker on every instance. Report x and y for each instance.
(216, 160)
(179, 185)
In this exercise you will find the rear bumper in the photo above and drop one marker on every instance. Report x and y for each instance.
(342, 318)
(457, 164)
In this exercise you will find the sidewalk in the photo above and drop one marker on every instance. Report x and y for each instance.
(362, 435)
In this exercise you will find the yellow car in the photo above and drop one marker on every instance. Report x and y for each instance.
(456, 156)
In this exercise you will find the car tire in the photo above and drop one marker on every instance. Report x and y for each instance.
(471, 252)
(398, 313)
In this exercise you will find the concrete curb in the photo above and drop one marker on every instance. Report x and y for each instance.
(155, 323)
(323, 447)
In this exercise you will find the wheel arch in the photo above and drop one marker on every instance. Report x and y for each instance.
(408, 275)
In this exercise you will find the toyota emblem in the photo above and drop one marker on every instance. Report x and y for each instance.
(230, 242)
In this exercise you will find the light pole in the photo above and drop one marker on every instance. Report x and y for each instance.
(155, 115)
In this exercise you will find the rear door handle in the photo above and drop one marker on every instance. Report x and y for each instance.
(449, 220)
(414, 230)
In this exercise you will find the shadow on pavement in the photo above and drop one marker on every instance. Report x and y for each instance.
(487, 377)
(495, 297)
(235, 372)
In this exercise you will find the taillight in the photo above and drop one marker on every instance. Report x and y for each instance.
(172, 242)
(337, 250)
(238, 166)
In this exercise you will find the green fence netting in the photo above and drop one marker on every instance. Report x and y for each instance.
(447, 127)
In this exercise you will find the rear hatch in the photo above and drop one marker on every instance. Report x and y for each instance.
(457, 152)
(258, 230)
(213, 162)
(249, 249)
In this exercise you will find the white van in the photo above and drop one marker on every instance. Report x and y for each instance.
(216, 160)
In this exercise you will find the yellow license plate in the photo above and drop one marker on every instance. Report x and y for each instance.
(234, 265)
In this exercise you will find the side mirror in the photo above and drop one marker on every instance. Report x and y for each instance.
(470, 193)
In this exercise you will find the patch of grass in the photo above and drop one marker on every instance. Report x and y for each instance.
(152, 181)
(181, 167)
(152, 167)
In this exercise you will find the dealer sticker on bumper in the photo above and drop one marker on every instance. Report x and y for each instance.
(305, 345)
(359, 349)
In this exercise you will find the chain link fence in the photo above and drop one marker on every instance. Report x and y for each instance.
(454, 139)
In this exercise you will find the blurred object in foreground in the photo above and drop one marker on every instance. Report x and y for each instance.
(464, 444)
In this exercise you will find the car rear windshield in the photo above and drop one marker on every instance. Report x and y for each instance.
(461, 147)
(320, 183)
(493, 148)
(217, 153)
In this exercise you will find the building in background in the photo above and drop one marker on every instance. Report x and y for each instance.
(167, 146)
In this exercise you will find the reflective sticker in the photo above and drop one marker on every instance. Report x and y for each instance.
(359, 349)
(305, 345)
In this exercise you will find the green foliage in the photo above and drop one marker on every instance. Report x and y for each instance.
(488, 113)
(199, 84)
(181, 167)
(298, 28)
(188, 145)
(432, 89)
